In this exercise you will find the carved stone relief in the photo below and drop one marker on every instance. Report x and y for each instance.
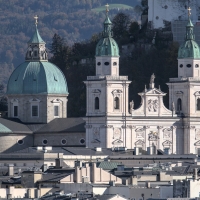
(153, 136)
(197, 134)
(140, 133)
(153, 105)
(139, 143)
(167, 133)
(117, 133)
(167, 143)
(96, 133)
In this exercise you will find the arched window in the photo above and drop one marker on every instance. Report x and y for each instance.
(179, 104)
(116, 103)
(96, 103)
(198, 104)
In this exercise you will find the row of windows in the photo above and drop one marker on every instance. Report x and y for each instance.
(107, 63)
(35, 111)
(189, 65)
(96, 103)
(45, 141)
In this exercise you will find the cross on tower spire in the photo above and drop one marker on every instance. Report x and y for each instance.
(189, 12)
(107, 10)
(36, 20)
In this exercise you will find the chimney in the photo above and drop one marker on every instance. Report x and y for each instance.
(134, 180)
(10, 169)
(195, 173)
(59, 163)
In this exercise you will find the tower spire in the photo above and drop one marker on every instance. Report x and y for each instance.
(189, 27)
(36, 20)
(107, 24)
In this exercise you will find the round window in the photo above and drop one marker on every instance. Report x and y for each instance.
(106, 63)
(82, 141)
(99, 63)
(63, 141)
(181, 65)
(45, 141)
(115, 63)
(20, 142)
(197, 66)
(189, 65)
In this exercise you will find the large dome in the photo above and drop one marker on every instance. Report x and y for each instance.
(107, 47)
(37, 78)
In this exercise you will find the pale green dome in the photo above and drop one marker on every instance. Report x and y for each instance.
(107, 46)
(36, 75)
(189, 49)
(37, 78)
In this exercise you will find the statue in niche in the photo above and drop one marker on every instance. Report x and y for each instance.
(117, 133)
(153, 105)
(153, 136)
(167, 133)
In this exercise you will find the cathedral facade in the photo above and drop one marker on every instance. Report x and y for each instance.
(113, 122)
(37, 104)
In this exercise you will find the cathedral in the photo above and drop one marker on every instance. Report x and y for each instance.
(37, 104)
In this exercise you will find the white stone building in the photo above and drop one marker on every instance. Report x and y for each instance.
(113, 122)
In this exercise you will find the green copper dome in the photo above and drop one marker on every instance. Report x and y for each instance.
(37, 78)
(189, 49)
(107, 46)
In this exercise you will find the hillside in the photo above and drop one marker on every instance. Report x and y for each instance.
(74, 20)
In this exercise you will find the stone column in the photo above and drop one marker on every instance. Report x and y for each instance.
(174, 149)
(146, 137)
(160, 137)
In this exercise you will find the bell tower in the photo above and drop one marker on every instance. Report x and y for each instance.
(184, 91)
(107, 92)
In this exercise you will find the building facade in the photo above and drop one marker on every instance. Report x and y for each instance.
(113, 122)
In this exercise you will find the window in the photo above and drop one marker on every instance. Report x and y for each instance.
(197, 66)
(63, 141)
(96, 103)
(98, 63)
(15, 111)
(29, 53)
(115, 63)
(166, 151)
(82, 141)
(45, 141)
(179, 104)
(35, 53)
(20, 142)
(106, 63)
(189, 65)
(198, 104)
(181, 65)
(56, 111)
(34, 111)
(116, 103)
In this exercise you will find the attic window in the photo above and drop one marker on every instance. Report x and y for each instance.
(181, 65)
(99, 63)
(189, 65)
(106, 63)
(196, 66)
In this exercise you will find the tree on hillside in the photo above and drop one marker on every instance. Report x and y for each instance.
(121, 23)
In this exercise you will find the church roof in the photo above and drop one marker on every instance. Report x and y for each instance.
(107, 46)
(189, 49)
(37, 78)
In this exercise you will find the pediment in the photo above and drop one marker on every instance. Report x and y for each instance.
(167, 143)
(197, 93)
(34, 100)
(197, 143)
(116, 91)
(96, 91)
(117, 142)
(56, 101)
(155, 91)
(95, 141)
(139, 142)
